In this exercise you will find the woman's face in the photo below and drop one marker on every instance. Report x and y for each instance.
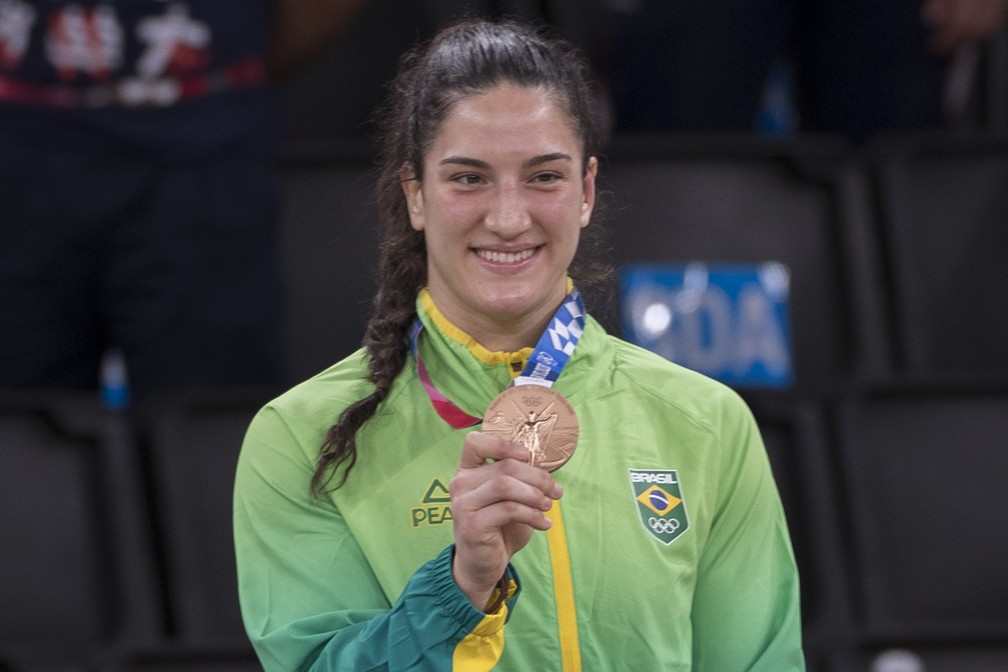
(501, 205)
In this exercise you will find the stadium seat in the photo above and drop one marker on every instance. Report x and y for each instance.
(944, 209)
(193, 443)
(921, 482)
(739, 199)
(329, 253)
(79, 572)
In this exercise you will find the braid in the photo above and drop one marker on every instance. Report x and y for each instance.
(385, 342)
(402, 272)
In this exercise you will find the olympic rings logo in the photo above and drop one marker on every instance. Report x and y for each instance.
(663, 525)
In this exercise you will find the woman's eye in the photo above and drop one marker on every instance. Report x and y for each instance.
(467, 179)
(546, 178)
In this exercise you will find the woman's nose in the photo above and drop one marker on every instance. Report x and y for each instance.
(508, 212)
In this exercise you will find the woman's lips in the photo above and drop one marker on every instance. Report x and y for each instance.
(498, 257)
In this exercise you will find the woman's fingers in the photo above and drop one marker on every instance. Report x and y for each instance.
(499, 471)
(480, 448)
(498, 500)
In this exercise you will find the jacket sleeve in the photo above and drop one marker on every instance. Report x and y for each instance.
(309, 598)
(746, 614)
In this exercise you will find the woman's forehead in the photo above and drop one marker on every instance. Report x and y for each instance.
(509, 119)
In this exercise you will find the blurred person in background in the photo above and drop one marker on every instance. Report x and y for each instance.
(137, 189)
(857, 67)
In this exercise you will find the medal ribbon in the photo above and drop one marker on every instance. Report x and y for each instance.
(448, 411)
(548, 359)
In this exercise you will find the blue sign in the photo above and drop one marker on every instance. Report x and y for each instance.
(728, 321)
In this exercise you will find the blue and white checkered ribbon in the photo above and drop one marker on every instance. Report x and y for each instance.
(557, 343)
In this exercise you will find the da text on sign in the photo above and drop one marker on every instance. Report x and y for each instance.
(729, 321)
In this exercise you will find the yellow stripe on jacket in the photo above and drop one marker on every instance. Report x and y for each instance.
(563, 590)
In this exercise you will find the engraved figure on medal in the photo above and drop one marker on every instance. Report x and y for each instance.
(535, 431)
(537, 418)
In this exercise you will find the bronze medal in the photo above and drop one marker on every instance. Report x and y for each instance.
(537, 418)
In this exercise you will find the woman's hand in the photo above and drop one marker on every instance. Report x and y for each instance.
(497, 499)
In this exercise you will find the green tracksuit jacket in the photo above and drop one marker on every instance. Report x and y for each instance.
(669, 549)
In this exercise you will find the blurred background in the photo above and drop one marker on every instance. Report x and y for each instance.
(807, 199)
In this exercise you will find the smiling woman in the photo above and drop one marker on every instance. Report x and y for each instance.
(483, 370)
(505, 195)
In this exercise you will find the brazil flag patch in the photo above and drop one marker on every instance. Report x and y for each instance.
(660, 503)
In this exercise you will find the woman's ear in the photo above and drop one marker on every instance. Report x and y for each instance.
(588, 189)
(413, 192)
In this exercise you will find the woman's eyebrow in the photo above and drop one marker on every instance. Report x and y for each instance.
(546, 158)
(528, 163)
(464, 161)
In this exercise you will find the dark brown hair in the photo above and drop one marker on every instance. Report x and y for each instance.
(463, 60)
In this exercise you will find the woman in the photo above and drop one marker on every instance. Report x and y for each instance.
(420, 535)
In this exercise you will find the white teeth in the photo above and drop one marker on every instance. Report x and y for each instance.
(505, 257)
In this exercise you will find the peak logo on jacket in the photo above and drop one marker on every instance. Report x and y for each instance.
(660, 503)
(434, 508)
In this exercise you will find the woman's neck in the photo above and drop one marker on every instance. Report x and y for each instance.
(510, 337)
(493, 335)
